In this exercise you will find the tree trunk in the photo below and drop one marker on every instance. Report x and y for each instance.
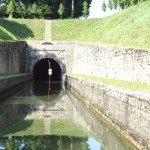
(10, 15)
(72, 9)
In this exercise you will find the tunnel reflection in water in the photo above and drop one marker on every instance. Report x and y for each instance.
(40, 70)
(41, 89)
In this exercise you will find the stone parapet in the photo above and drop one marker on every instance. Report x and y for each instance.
(6, 83)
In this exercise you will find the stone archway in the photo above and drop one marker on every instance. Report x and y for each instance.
(40, 70)
(40, 58)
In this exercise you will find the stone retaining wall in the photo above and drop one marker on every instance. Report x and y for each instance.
(131, 64)
(126, 109)
(11, 57)
(116, 62)
(9, 82)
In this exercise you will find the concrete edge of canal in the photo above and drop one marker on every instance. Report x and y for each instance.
(11, 81)
(127, 111)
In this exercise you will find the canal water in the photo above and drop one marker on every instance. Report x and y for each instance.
(46, 116)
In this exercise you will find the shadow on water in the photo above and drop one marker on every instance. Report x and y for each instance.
(13, 91)
(11, 113)
(12, 27)
(23, 125)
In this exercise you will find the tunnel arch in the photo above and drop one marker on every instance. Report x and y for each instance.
(40, 70)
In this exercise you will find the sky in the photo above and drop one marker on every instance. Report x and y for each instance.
(96, 9)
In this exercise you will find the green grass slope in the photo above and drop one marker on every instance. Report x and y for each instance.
(130, 27)
(21, 29)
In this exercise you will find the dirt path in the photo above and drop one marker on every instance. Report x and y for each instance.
(48, 30)
(47, 126)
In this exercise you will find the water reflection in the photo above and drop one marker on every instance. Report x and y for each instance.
(20, 129)
(40, 90)
(97, 127)
(44, 142)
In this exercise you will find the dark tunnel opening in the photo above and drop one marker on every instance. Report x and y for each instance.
(40, 70)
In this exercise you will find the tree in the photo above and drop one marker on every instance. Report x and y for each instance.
(60, 144)
(2, 10)
(115, 3)
(40, 12)
(48, 11)
(46, 8)
(104, 6)
(61, 10)
(9, 144)
(34, 9)
(85, 9)
(10, 9)
(19, 10)
(72, 9)
(110, 4)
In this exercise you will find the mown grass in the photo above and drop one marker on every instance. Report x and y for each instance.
(66, 127)
(2, 76)
(134, 86)
(25, 127)
(130, 27)
(21, 29)
(8, 75)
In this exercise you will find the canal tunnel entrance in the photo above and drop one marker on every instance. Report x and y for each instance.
(40, 70)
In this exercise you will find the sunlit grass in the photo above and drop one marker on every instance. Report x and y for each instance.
(8, 75)
(135, 86)
(130, 27)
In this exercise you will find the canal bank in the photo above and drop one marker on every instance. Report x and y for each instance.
(7, 82)
(127, 111)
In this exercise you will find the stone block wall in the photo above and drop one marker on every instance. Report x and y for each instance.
(126, 109)
(6, 83)
(112, 62)
(41, 49)
(131, 64)
(11, 54)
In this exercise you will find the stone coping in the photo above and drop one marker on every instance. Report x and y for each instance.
(6, 76)
(96, 84)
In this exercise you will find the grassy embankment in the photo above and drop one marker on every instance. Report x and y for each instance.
(3, 76)
(21, 29)
(130, 27)
(134, 86)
